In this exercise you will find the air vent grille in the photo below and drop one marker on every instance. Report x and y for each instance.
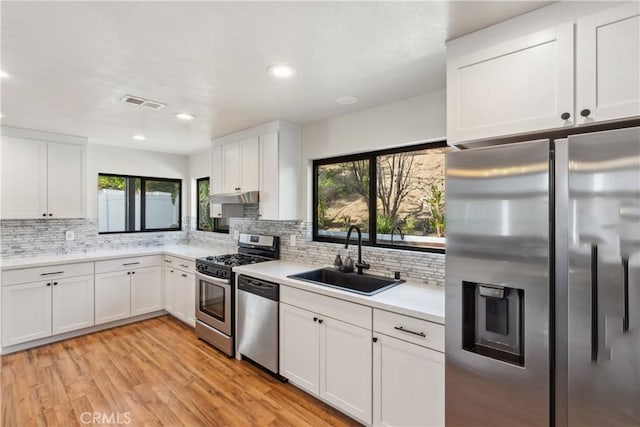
(141, 102)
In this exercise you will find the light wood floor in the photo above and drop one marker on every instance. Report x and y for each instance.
(151, 373)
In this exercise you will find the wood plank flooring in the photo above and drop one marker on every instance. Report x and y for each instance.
(151, 373)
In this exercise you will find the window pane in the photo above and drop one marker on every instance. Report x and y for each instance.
(162, 204)
(410, 198)
(112, 203)
(343, 198)
(205, 222)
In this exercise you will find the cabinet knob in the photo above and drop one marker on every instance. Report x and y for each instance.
(133, 272)
(320, 320)
(50, 214)
(44, 214)
(585, 113)
(172, 271)
(375, 339)
(128, 272)
(55, 283)
(565, 116)
(49, 284)
(315, 319)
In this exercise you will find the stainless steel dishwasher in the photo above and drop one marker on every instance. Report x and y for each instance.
(258, 321)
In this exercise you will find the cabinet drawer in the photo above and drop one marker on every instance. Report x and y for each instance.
(127, 263)
(26, 275)
(180, 263)
(417, 331)
(349, 312)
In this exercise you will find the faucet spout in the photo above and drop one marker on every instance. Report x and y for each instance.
(360, 265)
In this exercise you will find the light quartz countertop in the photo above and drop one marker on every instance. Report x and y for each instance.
(189, 252)
(410, 298)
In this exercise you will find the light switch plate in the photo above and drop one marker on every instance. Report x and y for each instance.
(292, 240)
(70, 235)
(236, 234)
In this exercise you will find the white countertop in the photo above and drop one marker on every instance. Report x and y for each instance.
(409, 298)
(190, 252)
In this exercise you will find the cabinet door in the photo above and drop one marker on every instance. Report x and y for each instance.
(408, 384)
(180, 297)
(169, 286)
(522, 85)
(608, 64)
(345, 367)
(73, 301)
(66, 187)
(230, 168)
(26, 312)
(269, 171)
(188, 285)
(300, 348)
(24, 178)
(215, 180)
(112, 296)
(250, 164)
(146, 290)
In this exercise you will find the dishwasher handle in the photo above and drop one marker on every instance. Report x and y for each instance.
(259, 287)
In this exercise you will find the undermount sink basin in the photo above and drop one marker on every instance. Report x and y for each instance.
(365, 284)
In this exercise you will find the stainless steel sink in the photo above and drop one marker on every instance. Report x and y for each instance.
(365, 284)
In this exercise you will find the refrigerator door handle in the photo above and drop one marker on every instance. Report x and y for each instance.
(625, 292)
(594, 303)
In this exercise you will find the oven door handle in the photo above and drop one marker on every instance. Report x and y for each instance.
(215, 280)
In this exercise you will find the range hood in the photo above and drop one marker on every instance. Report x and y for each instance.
(235, 198)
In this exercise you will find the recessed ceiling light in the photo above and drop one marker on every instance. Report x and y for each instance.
(185, 116)
(4, 74)
(139, 137)
(347, 100)
(281, 71)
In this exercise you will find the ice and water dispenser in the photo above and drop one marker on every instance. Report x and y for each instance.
(493, 321)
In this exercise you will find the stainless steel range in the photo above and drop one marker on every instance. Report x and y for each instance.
(215, 295)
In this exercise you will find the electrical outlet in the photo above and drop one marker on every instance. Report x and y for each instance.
(236, 234)
(70, 235)
(292, 240)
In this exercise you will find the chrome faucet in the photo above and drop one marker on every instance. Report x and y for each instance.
(360, 265)
(393, 230)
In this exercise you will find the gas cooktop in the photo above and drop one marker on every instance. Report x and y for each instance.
(232, 260)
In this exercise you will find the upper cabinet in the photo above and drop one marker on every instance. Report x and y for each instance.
(526, 83)
(42, 178)
(263, 159)
(608, 65)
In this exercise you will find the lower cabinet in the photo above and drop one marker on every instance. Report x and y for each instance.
(180, 292)
(408, 384)
(48, 307)
(113, 296)
(146, 290)
(328, 358)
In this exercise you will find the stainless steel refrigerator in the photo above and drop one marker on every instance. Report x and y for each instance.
(543, 283)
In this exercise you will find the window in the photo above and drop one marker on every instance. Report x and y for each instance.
(401, 207)
(136, 203)
(203, 216)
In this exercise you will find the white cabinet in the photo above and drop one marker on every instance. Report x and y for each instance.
(127, 287)
(325, 356)
(72, 304)
(42, 179)
(240, 165)
(112, 296)
(26, 312)
(608, 64)
(408, 371)
(504, 83)
(44, 301)
(517, 86)
(180, 289)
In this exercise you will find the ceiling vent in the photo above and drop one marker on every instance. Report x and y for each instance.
(141, 102)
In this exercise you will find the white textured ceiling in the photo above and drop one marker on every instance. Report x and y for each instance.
(72, 62)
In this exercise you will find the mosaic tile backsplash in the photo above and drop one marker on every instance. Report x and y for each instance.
(21, 238)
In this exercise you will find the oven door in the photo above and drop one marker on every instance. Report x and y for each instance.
(214, 302)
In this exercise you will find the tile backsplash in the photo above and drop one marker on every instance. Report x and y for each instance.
(21, 238)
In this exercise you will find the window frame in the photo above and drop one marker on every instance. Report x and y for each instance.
(216, 221)
(373, 199)
(142, 213)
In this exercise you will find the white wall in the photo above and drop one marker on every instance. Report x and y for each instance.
(117, 160)
(199, 167)
(410, 121)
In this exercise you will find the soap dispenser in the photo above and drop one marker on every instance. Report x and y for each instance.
(337, 263)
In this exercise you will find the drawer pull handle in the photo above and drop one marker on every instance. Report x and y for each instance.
(401, 329)
(184, 275)
(183, 265)
(49, 274)
(131, 263)
(166, 260)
